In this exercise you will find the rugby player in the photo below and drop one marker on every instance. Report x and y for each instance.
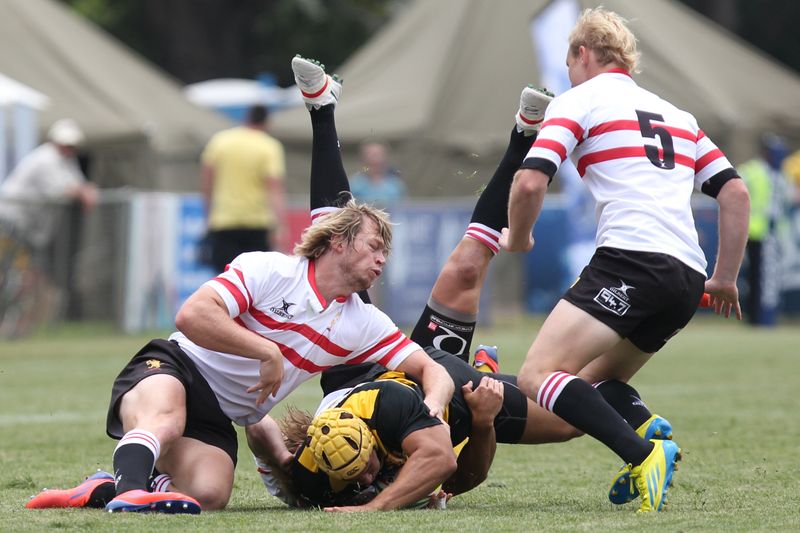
(246, 339)
(641, 158)
(387, 406)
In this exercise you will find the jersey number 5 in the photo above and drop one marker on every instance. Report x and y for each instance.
(651, 132)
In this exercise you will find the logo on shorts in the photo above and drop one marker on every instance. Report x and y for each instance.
(615, 299)
(153, 364)
(283, 309)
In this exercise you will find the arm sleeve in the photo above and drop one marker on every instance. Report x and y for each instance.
(379, 338)
(399, 412)
(711, 169)
(244, 281)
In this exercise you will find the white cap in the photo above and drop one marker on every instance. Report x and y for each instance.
(66, 132)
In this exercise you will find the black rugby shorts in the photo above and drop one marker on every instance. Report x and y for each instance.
(646, 297)
(205, 420)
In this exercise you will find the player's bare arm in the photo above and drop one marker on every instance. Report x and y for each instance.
(524, 205)
(436, 383)
(204, 319)
(476, 458)
(266, 442)
(734, 215)
(430, 461)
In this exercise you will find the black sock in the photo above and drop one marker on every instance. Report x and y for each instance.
(329, 184)
(492, 207)
(582, 406)
(134, 460)
(101, 495)
(445, 330)
(626, 401)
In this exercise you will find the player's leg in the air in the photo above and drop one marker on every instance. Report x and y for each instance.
(448, 320)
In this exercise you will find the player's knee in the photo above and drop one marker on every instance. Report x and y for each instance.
(528, 384)
(467, 273)
(211, 498)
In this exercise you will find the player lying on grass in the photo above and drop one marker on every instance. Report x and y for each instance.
(247, 339)
(495, 411)
(368, 441)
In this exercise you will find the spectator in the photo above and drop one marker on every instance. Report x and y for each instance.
(769, 198)
(242, 182)
(48, 174)
(791, 169)
(377, 183)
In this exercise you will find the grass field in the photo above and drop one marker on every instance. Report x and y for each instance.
(729, 391)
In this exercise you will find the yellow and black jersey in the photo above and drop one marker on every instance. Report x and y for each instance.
(393, 408)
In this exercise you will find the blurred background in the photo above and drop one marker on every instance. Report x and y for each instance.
(436, 82)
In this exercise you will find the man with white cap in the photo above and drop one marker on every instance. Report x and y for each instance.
(48, 175)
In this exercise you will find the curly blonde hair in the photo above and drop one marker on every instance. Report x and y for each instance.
(294, 425)
(607, 34)
(345, 223)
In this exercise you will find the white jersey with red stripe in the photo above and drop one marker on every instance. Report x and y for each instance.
(641, 158)
(275, 296)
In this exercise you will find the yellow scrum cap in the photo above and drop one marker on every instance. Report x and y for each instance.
(341, 443)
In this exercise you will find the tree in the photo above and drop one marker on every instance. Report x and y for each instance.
(196, 40)
(203, 39)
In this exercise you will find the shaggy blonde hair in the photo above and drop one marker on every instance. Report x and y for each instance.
(607, 34)
(294, 425)
(344, 223)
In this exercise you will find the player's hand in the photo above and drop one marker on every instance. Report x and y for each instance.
(436, 411)
(270, 374)
(350, 509)
(485, 401)
(439, 500)
(724, 298)
(508, 246)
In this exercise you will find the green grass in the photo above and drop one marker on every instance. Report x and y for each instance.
(729, 391)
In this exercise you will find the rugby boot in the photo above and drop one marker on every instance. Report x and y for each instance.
(532, 104)
(654, 476)
(95, 491)
(141, 501)
(623, 489)
(317, 87)
(485, 359)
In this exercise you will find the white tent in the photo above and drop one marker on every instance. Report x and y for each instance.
(440, 82)
(140, 128)
(19, 108)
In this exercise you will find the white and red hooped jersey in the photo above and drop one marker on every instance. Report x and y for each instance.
(275, 295)
(640, 157)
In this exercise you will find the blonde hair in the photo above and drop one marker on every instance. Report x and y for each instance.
(344, 223)
(607, 34)
(294, 426)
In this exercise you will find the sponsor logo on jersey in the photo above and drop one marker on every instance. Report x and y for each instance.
(615, 299)
(283, 309)
(153, 364)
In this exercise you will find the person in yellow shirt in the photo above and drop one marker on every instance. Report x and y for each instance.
(242, 183)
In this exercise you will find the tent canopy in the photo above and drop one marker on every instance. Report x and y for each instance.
(442, 80)
(136, 118)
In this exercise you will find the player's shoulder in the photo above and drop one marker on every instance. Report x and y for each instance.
(276, 263)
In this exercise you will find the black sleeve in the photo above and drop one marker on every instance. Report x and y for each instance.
(713, 185)
(541, 164)
(399, 412)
